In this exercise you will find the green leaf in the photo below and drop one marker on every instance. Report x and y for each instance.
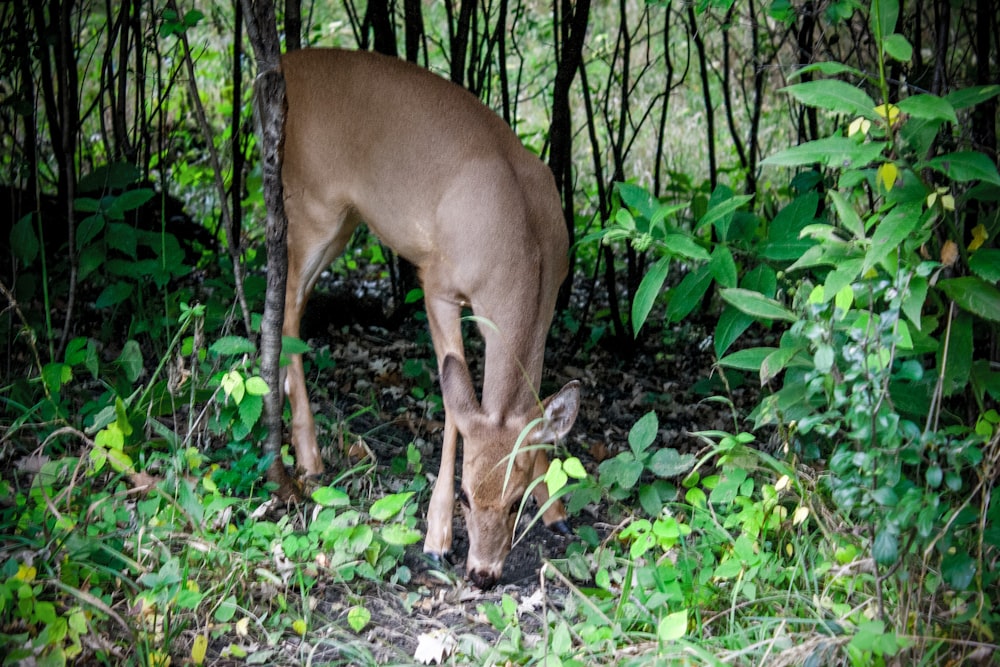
(722, 210)
(673, 626)
(688, 294)
(327, 496)
(555, 477)
(958, 570)
(886, 546)
(958, 366)
(232, 345)
(898, 48)
(643, 433)
(389, 506)
(256, 386)
(966, 166)
(227, 609)
(776, 362)
(669, 462)
(358, 617)
(685, 246)
(292, 345)
(970, 97)
(24, 241)
(622, 471)
(574, 468)
(757, 305)
(928, 107)
(648, 290)
(250, 410)
(130, 360)
(88, 229)
(749, 359)
(723, 267)
(827, 69)
(834, 95)
(883, 16)
(974, 295)
(396, 534)
(637, 198)
(129, 201)
(985, 263)
(832, 152)
(898, 225)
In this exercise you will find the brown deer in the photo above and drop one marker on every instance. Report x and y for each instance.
(446, 184)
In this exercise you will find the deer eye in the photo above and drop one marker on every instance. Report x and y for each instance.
(463, 498)
(516, 505)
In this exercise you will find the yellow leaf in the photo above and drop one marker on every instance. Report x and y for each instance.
(25, 573)
(300, 627)
(782, 483)
(948, 202)
(199, 649)
(887, 174)
(789, 549)
(243, 627)
(979, 237)
(888, 111)
(931, 198)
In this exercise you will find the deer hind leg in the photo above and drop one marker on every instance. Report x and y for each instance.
(313, 243)
(446, 332)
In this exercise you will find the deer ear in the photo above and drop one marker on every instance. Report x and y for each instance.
(559, 413)
(459, 396)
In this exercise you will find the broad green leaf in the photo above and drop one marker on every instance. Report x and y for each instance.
(848, 216)
(913, 303)
(757, 305)
(958, 570)
(387, 507)
(669, 462)
(574, 468)
(958, 363)
(928, 107)
(648, 290)
(974, 295)
(886, 546)
(966, 166)
(882, 17)
(232, 345)
(256, 386)
(88, 229)
(292, 345)
(555, 477)
(250, 410)
(830, 253)
(732, 323)
(685, 246)
(749, 359)
(723, 267)
(834, 95)
(130, 360)
(898, 48)
(832, 152)
(985, 263)
(637, 198)
(775, 362)
(358, 617)
(327, 496)
(643, 433)
(970, 97)
(688, 294)
(828, 69)
(723, 209)
(24, 241)
(622, 471)
(891, 231)
(129, 201)
(673, 626)
(396, 534)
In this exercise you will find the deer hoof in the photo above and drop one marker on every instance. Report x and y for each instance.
(561, 527)
(482, 580)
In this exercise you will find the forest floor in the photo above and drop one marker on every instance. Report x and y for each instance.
(670, 372)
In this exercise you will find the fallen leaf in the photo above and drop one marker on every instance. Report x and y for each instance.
(434, 646)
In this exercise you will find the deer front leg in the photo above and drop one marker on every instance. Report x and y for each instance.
(555, 516)
(442, 505)
(307, 458)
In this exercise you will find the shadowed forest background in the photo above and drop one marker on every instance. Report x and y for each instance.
(783, 306)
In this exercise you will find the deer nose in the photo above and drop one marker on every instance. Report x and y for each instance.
(483, 579)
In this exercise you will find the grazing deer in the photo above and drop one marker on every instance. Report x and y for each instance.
(446, 184)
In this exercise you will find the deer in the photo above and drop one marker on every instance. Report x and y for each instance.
(445, 183)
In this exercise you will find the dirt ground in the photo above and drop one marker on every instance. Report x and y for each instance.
(671, 373)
